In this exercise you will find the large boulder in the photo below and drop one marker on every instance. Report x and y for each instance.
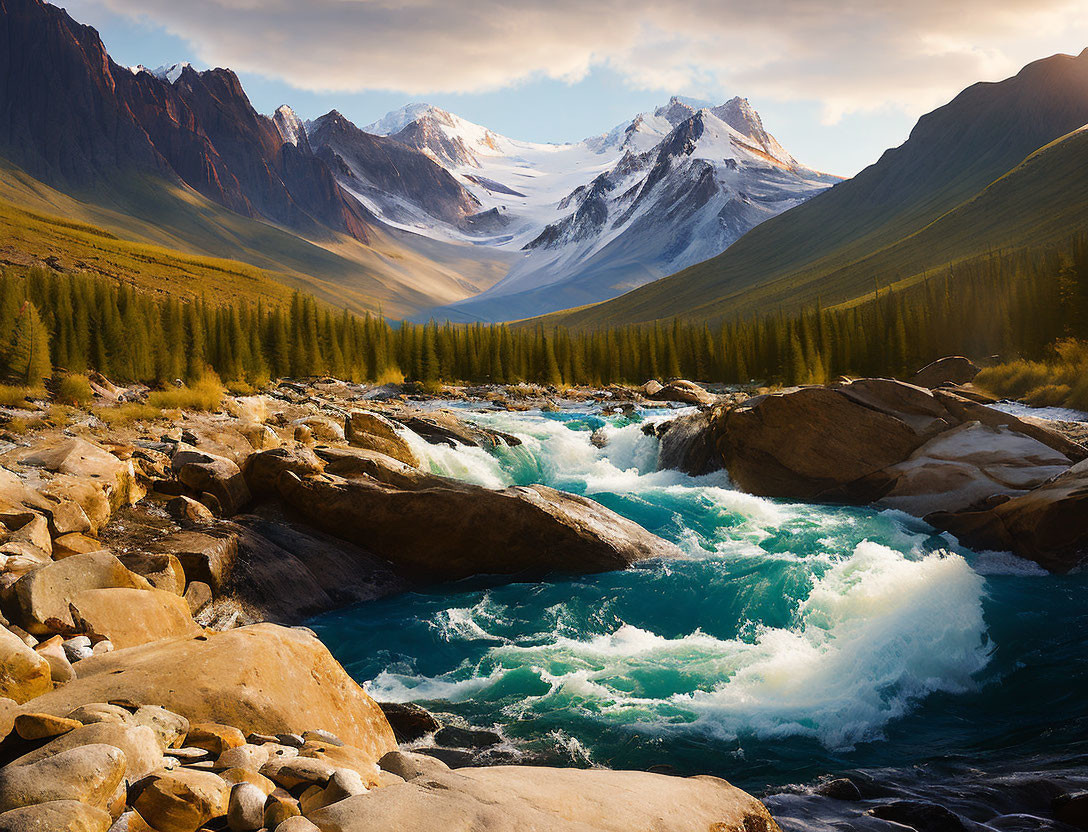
(128, 617)
(374, 432)
(182, 800)
(687, 392)
(287, 572)
(67, 815)
(87, 773)
(516, 798)
(41, 598)
(23, 673)
(204, 472)
(81, 459)
(953, 369)
(262, 469)
(444, 428)
(205, 555)
(1048, 525)
(262, 678)
(471, 530)
(962, 467)
(805, 443)
(869, 439)
(139, 744)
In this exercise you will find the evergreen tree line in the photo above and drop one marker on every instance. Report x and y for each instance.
(1010, 304)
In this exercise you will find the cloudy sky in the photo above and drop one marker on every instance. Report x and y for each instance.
(837, 81)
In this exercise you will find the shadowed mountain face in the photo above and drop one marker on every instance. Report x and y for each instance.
(75, 119)
(825, 247)
(383, 170)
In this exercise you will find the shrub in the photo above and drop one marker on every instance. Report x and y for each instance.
(75, 389)
(126, 414)
(206, 394)
(14, 396)
(1061, 381)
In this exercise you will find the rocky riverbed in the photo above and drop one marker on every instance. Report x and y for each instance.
(153, 573)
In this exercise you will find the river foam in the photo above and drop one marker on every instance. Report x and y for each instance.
(818, 622)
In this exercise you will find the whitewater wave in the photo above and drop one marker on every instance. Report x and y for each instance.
(877, 632)
(868, 618)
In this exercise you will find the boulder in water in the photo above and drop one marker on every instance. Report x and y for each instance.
(1048, 525)
(684, 391)
(471, 530)
(365, 429)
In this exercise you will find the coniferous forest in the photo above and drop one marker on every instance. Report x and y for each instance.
(1011, 305)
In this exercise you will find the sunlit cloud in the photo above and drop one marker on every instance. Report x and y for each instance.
(850, 56)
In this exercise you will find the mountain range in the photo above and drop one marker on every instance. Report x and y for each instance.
(1003, 165)
(170, 179)
(421, 213)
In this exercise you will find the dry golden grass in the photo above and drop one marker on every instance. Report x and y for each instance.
(206, 394)
(127, 414)
(15, 396)
(1060, 381)
(74, 389)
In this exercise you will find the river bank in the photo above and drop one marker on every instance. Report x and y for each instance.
(771, 643)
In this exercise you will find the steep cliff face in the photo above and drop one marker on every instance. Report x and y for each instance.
(73, 118)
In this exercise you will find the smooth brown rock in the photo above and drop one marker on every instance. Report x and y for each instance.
(243, 756)
(214, 737)
(205, 556)
(89, 774)
(245, 808)
(514, 799)
(1048, 525)
(684, 391)
(343, 756)
(293, 772)
(297, 824)
(170, 728)
(68, 517)
(129, 617)
(41, 598)
(141, 749)
(189, 510)
(130, 821)
(75, 543)
(262, 678)
(953, 369)
(250, 776)
(102, 712)
(263, 469)
(198, 596)
(964, 466)
(807, 442)
(23, 673)
(410, 765)
(374, 432)
(182, 800)
(162, 570)
(56, 816)
(43, 726)
(358, 462)
(203, 472)
(323, 428)
(81, 459)
(472, 530)
(60, 668)
(279, 807)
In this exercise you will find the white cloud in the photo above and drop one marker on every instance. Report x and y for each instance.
(850, 55)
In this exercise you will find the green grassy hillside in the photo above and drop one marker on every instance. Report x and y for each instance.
(397, 272)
